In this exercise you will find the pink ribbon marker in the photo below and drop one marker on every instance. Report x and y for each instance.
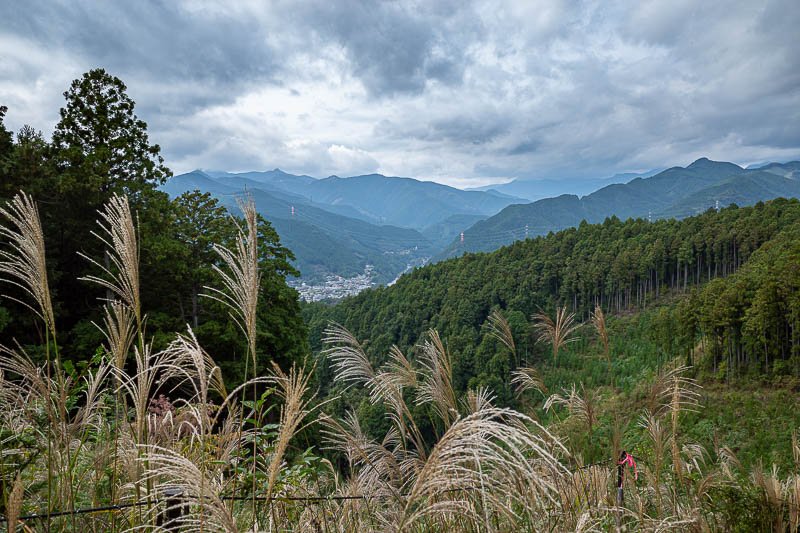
(628, 461)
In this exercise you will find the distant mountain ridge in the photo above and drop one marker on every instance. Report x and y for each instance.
(339, 225)
(537, 189)
(676, 192)
(323, 242)
(404, 202)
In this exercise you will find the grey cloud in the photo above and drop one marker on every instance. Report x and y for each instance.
(395, 48)
(151, 39)
(446, 89)
(525, 147)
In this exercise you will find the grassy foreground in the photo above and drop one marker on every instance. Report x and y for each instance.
(160, 436)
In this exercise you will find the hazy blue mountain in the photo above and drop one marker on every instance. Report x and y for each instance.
(375, 198)
(537, 189)
(787, 170)
(404, 201)
(441, 233)
(742, 189)
(675, 192)
(323, 242)
(197, 179)
(275, 178)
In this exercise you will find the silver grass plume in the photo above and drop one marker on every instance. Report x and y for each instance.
(437, 387)
(506, 466)
(24, 265)
(351, 365)
(15, 498)
(291, 389)
(118, 234)
(350, 362)
(559, 332)
(119, 331)
(527, 378)
(582, 405)
(168, 469)
(499, 329)
(242, 280)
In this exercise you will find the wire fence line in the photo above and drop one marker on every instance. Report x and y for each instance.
(179, 499)
(305, 499)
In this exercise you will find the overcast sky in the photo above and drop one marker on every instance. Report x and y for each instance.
(464, 93)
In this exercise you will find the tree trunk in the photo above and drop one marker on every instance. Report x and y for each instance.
(195, 290)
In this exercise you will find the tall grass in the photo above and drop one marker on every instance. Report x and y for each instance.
(448, 461)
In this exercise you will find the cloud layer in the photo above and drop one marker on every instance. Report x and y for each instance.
(458, 92)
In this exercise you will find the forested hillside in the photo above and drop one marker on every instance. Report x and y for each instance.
(674, 193)
(735, 274)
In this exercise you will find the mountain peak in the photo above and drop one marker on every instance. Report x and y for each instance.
(702, 162)
(705, 162)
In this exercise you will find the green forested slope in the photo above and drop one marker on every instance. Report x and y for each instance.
(744, 317)
(676, 192)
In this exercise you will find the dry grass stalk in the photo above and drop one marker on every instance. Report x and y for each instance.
(25, 263)
(500, 330)
(792, 489)
(169, 470)
(291, 388)
(119, 330)
(583, 407)
(351, 365)
(676, 391)
(241, 284)
(599, 324)
(598, 320)
(143, 384)
(477, 400)
(350, 362)
(14, 506)
(437, 387)
(501, 464)
(559, 332)
(728, 462)
(118, 234)
(527, 378)
(774, 492)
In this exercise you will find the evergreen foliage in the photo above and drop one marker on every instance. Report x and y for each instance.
(101, 148)
(734, 272)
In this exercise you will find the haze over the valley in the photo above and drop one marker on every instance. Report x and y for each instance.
(462, 93)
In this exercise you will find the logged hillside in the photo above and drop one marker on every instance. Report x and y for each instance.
(676, 192)
(735, 269)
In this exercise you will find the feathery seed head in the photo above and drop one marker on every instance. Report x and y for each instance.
(24, 264)
(118, 234)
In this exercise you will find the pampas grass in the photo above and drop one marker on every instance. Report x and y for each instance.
(499, 329)
(242, 279)
(118, 234)
(557, 332)
(24, 265)
(527, 378)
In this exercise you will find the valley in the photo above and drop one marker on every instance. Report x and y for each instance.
(337, 227)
